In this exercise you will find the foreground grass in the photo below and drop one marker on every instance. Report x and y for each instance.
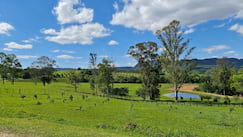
(89, 116)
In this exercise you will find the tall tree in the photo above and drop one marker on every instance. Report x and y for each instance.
(93, 67)
(3, 69)
(146, 55)
(174, 58)
(74, 79)
(44, 67)
(105, 76)
(222, 75)
(13, 66)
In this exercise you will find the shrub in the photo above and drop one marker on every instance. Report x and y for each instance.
(120, 91)
(227, 100)
(35, 96)
(130, 126)
(216, 99)
(38, 103)
(71, 97)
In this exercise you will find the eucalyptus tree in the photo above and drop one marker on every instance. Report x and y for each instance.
(175, 57)
(146, 55)
(13, 66)
(3, 69)
(222, 76)
(105, 76)
(74, 79)
(44, 68)
(93, 67)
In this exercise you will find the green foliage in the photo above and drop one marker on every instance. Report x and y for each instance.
(220, 79)
(74, 79)
(237, 82)
(146, 55)
(123, 91)
(42, 70)
(174, 58)
(105, 76)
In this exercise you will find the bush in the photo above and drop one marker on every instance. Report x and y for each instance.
(120, 91)
(141, 93)
(216, 99)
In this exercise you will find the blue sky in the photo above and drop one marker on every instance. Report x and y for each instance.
(68, 30)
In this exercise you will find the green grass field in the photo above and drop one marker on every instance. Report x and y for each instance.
(53, 114)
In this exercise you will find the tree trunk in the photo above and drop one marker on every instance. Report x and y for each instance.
(12, 81)
(176, 91)
(3, 81)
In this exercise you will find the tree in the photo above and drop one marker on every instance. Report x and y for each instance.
(238, 82)
(74, 79)
(174, 58)
(105, 77)
(93, 66)
(13, 66)
(146, 55)
(222, 75)
(3, 69)
(44, 68)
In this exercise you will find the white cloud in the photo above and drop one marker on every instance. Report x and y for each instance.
(132, 64)
(230, 52)
(26, 57)
(67, 13)
(36, 38)
(191, 30)
(220, 25)
(7, 49)
(14, 45)
(5, 28)
(77, 34)
(155, 14)
(65, 57)
(103, 56)
(116, 6)
(240, 14)
(113, 42)
(83, 32)
(237, 28)
(68, 51)
(64, 51)
(49, 31)
(55, 51)
(212, 49)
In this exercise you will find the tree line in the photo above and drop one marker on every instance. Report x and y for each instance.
(171, 65)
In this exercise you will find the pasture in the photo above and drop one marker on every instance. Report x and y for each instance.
(56, 110)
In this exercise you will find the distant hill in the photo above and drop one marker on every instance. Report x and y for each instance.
(63, 69)
(202, 65)
(205, 64)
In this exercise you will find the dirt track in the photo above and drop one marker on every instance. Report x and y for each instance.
(7, 135)
(187, 87)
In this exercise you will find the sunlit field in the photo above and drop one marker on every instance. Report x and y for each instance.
(29, 110)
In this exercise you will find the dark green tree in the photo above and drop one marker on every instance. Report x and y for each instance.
(44, 68)
(74, 79)
(146, 55)
(222, 75)
(13, 66)
(105, 76)
(3, 69)
(174, 58)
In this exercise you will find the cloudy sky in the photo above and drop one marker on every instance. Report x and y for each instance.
(68, 30)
